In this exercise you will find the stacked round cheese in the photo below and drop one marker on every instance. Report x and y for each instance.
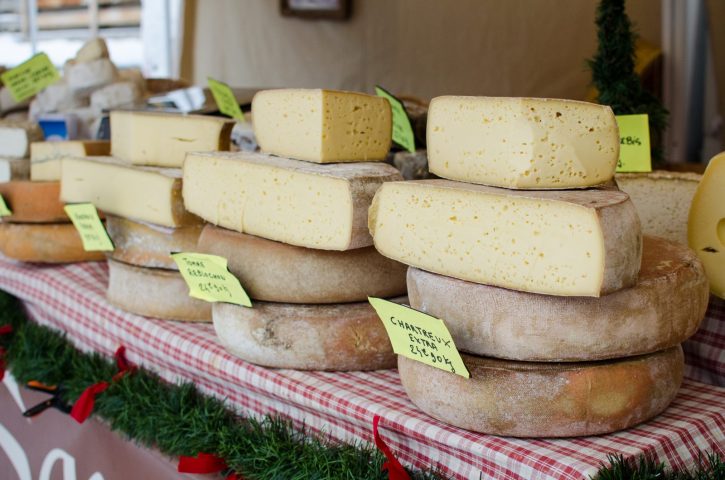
(533, 263)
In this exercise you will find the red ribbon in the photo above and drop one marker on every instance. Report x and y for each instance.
(124, 366)
(393, 466)
(202, 463)
(4, 330)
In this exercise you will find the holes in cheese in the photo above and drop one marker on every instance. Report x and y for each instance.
(45, 157)
(322, 126)
(534, 143)
(579, 242)
(33, 202)
(44, 243)
(15, 138)
(300, 203)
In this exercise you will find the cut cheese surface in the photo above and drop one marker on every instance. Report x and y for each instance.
(45, 157)
(706, 223)
(662, 310)
(33, 202)
(528, 399)
(16, 137)
(322, 126)
(44, 243)
(278, 272)
(290, 201)
(580, 242)
(163, 139)
(14, 169)
(528, 143)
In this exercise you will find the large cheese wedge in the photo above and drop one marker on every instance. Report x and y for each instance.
(45, 157)
(33, 202)
(522, 142)
(300, 203)
(278, 272)
(163, 139)
(44, 243)
(305, 337)
(322, 126)
(528, 399)
(14, 169)
(706, 224)
(16, 137)
(143, 193)
(580, 242)
(662, 310)
(154, 292)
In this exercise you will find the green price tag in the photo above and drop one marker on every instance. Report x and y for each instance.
(30, 77)
(225, 99)
(85, 218)
(419, 336)
(209, 279)
(402, 129)
(634, 151)
(4, 210)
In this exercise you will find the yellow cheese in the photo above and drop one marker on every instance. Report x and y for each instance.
(322, 126)
(163, 139)
(300, 203)
(45, 156)
(533, 143)
(706, 224)
(578, 242)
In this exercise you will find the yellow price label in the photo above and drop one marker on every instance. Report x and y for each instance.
(86, 220)
(419, 336)
(208, 278)
(634, 149)
(402, 129)
(225, 99)
(4, 210)
(30, 77)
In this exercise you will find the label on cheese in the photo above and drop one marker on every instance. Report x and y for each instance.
(402, 130)
(30, 77)
(634, 149)
(4, 210)
(85, 218)
(225, 99)
(419, 336)
(209, 279)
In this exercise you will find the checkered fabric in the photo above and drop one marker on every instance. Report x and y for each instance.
(72, 298)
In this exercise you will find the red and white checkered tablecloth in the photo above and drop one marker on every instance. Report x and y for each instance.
(72, 298)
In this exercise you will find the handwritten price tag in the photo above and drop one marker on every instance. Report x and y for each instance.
(30, 77)
(402, 130)
(4, 210)
(634, 150)
(85, 218)
(225, 99)
(209, 279)
(419, 336)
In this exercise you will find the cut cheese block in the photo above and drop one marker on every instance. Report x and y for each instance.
(14, 169)
(300, 203)
(277, 272)
(85, 77)
(163, 139)
(45, 157)
(33, 202)
(148, 245)
(93, 49)
(706, 224)
(580, 242)
(16, 137)
(44, 243)
(662, 310)
(322, 126)
(527, 399)
(305, 337)
(153, 292)
(120, 94)
(662, 200)
(534, 143)
(143, 193)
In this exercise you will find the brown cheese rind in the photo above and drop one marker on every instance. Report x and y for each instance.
(44, 243)
(33, 202)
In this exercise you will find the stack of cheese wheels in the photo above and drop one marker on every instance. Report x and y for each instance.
(139, 188)
(536, 272)
(292, 224)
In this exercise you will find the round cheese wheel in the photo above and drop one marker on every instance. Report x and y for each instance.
(342, 337)
(153, 292)
(33, 202)
(526, 399)
(44, 243)
(662, 310)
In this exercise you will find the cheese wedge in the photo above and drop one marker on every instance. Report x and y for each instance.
(33, 202)
(45, 157)
(528, 143)
(322, 126)
(580, 242)
(706, 223)
(163, 139)
(14, 169)
(143, 193)
(16, 137)
(300, 203)
(44, 243)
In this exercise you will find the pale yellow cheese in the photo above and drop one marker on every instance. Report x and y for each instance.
(45, 156)
(163, 139)
(322, 126)
(527, 143)
(16, 137)
(290, 201)
(578, 242)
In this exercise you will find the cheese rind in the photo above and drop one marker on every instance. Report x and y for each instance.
(290, 201)
(527, 143)
(44, 243)
(45, 157)
(16, 137)
(33, 202)
(322, 126)
(14, 169)
(579, 242)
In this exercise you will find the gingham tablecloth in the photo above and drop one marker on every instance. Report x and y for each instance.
(72, 298)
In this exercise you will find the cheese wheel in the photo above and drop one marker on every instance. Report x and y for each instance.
(33, 202)
(44, 243)
(662, 310)
(340, 337)
(153, 292)
(526, 399)
(14, 169)
(277, 272)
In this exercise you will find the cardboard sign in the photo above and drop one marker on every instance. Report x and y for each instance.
(402, 129)
(209, 279)
(30, 77)
(85, 218)
(419, 336)
(4, 210)
(225, 99)
(634, 149)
